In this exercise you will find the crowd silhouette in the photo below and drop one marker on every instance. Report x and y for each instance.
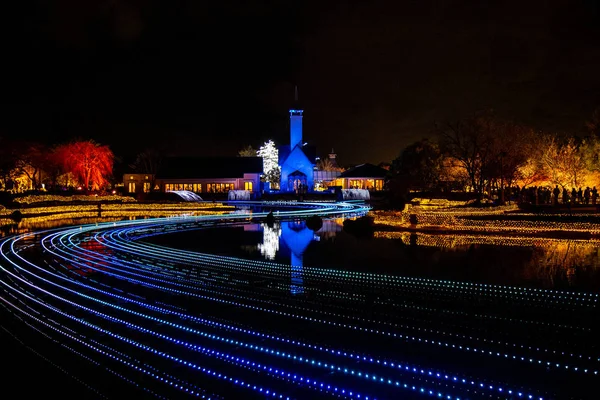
(557, 196)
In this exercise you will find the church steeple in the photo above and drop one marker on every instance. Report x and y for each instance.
(296, 122)
(332, 158)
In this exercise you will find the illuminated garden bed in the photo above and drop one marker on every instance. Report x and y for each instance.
(50, 198)
(485, 220)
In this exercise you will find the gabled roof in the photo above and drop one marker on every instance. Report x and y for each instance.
(309, 151)
(365, 171)
(208, 167)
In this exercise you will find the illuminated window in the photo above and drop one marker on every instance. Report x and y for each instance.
(146, 187)
(378, 184)
(131, 187)
(356, 184)
(197, 187)
(248, 186)
(219, 187)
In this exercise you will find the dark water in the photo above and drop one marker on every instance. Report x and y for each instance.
(127, 311)
(525, 261)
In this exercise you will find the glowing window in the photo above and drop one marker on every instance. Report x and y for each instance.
(248, 186)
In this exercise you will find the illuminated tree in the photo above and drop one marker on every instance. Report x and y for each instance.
(531, 173)
(452, 174)
(247, 151)
(327, 165)
(271, 168)
(564, 163)
(590, 151)
(89, 161)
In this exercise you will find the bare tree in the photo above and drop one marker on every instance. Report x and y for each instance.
(490, 150)
(327, 165)
(31, 162)
(148, 162)
(8, 163)
(564, 162)
(470, 143)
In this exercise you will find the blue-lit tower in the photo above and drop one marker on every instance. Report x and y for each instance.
(296, 123)
(296, 167)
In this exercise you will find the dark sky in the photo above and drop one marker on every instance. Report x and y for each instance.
(207, 78)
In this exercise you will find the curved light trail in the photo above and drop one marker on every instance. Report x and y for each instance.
(171, 323)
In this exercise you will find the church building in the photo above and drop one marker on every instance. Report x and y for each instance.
(297, 161)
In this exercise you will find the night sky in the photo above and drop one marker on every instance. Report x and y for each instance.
(207, 78)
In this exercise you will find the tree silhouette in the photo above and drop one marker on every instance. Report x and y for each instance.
(31, 162)
(419, 165)
(593, 125)
(89, 161)
(247, 151)
(148, 162)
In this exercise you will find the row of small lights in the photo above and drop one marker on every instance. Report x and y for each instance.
(355, 318)
(317, 273)
(459, 220)
(389, 324)
(392, 364)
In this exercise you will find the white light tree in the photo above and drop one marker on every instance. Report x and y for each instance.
(271, 169)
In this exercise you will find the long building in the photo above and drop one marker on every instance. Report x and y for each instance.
(199, 175)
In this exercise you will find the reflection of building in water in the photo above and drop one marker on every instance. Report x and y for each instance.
(294, 237)
(330, 228)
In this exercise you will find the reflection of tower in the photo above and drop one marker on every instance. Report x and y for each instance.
(296, 236)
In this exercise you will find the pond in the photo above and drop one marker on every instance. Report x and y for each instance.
(216, 307)
(494, 259)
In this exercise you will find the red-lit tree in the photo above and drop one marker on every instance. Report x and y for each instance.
(89, 161)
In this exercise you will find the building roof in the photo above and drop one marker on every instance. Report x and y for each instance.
(365, 171)
(208, 167)
(309, 150)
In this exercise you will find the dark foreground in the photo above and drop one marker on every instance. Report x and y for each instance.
(113, 315)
